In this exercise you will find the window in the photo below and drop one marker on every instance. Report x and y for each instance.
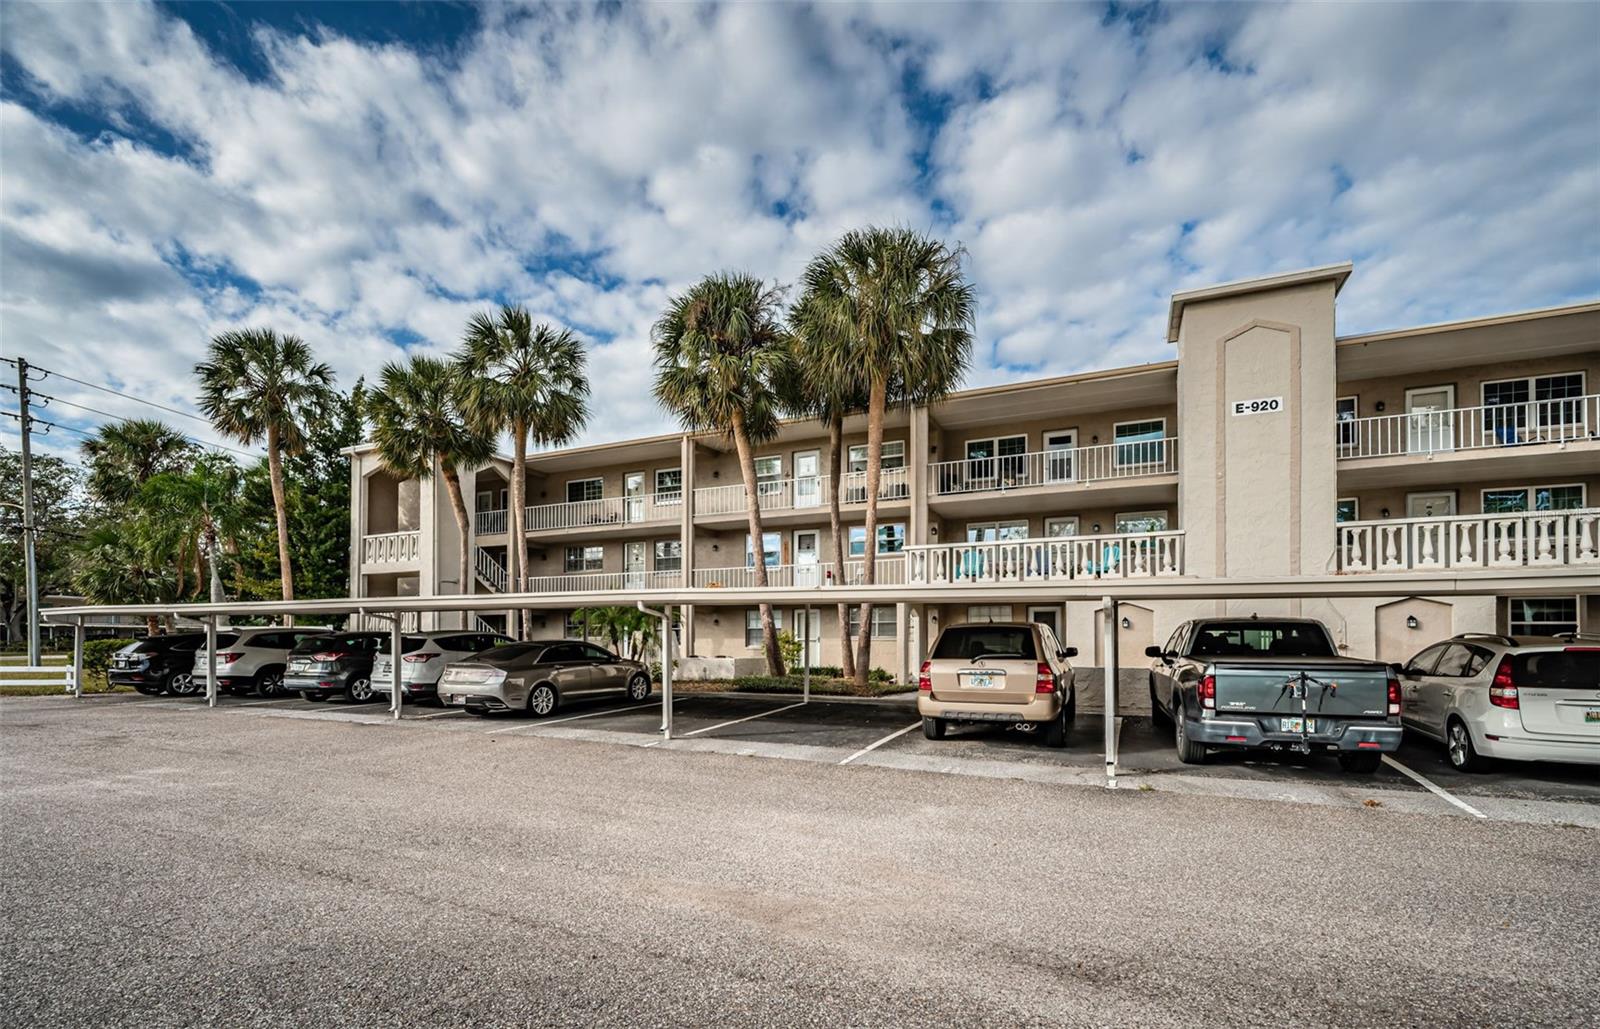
(578, 627)
(584, 489)
(769, 469)
(992, 532)
(1274, 639)
(594, 653)
(1567, 497)
(491, 500)
(1142, 521)
(963, 643)
(1543, 616)
(1519, 406)
(669, 485)
(562, 653)
(1423, 663)
(1347, 509)
(989, 613)
(894, 455)
(586, 559)
(752, 625)
(883, 622)
(1140, 443)
(1065, 526)
(771, 550)
(1346, 411)
(1462, 661)
(669, 555)
(891, 539)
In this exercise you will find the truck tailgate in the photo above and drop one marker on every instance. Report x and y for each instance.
(1272, 687)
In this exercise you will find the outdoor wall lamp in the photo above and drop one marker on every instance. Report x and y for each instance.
(715, 474)
(1095, 527)
(1384, 512)
(1127, 623)
(715, 548)
(1378, 406)
(1412, 623)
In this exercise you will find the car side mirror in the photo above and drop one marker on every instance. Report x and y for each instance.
(1066, 652)
(1154, 652)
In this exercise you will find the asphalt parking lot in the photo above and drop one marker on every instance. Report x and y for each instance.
(283, 863)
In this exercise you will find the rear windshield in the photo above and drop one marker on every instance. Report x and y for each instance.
(407, 644)
(334, 642)
(1000, 641)
(225, 639)
(179, 643)
(1577, 669)
(1270, 639)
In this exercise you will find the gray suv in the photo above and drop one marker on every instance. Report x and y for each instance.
(540, 676)
(253, 658)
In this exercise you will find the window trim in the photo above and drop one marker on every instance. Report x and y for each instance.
(1483, 387)
(1341, 438)
(588, 478)
(755, 614)
(850, 449)
(1027, 531)
(581, 548)
(989, 619)
(1023, 436)
(853, 621)
(1139, 421)
(667, 496)
(655, 555)
(850, 540)
(1166, 520)
(756, 463)
(1355, 502)
(1455, 502)
(1077, 525)
(1568, 598)
(1527, 491)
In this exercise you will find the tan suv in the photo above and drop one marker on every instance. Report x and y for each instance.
(1001, 672)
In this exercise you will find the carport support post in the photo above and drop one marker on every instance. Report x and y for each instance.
(394, 663)
(666, 672)
(211, 661)
(1108, 649)
(805, 653)
(77, 659)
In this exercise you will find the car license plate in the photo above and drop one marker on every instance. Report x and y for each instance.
(983, 681)
(299, 666)
(1592, 715)
(1297, 725)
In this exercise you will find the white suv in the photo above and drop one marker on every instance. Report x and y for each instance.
(1529, 698)
(253, 658)
(424, 657)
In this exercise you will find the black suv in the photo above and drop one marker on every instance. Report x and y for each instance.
(160, 664)
(337, 662)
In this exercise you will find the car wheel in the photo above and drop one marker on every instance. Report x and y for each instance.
(542, 700)
(315, 696)
(1464, 757)
(1055, 730)
(639, 687)
(270, 683)
(1364, 762)
(182, 684)
(1189, 752)
(358, 690)
(933, 728)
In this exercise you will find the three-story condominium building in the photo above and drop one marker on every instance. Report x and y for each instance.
(1269, 447)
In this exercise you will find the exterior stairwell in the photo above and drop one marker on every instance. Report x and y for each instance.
(491, 572)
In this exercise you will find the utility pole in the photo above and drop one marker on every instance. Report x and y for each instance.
(27, 515)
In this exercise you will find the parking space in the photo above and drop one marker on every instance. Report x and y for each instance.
(887, 732)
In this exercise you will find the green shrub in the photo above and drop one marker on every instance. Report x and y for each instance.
(789, 649)
(97, 655)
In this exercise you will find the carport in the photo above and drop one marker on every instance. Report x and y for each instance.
(1109, 592)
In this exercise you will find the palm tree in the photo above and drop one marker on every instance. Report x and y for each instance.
(900, 300)
(529, 380)
(196, 514)
(721, 355)
(112, 566)
(810, 392)
(417, 423)
(256, 386)
(125, 455)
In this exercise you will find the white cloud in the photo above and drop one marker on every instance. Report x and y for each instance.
(586, 162)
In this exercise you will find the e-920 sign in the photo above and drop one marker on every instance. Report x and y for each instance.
(1262, 405)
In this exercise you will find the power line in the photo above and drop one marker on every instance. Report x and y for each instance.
(124, 418)
(125, 396)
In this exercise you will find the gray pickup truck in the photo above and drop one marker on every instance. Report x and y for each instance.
(1275, 684)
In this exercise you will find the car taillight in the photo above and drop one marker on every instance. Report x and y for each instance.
(229, 659)
(1394, 696)
(1502, 691)
(326, 655)
(1045, 680)
(417, 659)
(923, 680)
(1208, 691)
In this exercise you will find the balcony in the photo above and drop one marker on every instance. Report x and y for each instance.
(598, 582)
(890, 570)
(1054, 468)
(801, 494)
(1454, 430)
(643, 509)
(1061, 558)
(391, 548)
(1506, 540)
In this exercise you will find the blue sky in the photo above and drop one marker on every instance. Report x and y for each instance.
(367, 175)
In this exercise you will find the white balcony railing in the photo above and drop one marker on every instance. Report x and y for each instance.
(597, 582)
(645, 507)
(1120, 555)
(391, 548)
(890, 570)
(809, 491)
(1507, 540)
(1470, 428)
(1054, 467)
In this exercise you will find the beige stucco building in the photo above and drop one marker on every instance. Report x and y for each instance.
(1268, 446)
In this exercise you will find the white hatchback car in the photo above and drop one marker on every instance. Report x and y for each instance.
(1526, 698)
(425, 655)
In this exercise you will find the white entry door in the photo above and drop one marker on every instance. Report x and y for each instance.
(1058, 455)
(808, 557)
(633, 490)
(633, 565)
(808, 629)
(807, 478)
(1430, 419)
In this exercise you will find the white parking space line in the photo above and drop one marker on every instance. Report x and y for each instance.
(269, 703)
(435, 714)
(1431, 788)
(869, 748)
(736, 721)
(541, 723)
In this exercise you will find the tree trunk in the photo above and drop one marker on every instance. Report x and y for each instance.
(876, 403)
(211, 557)
(452, 486)
(841, 554)
(518, 551)
(752, 506)
(280, 506)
